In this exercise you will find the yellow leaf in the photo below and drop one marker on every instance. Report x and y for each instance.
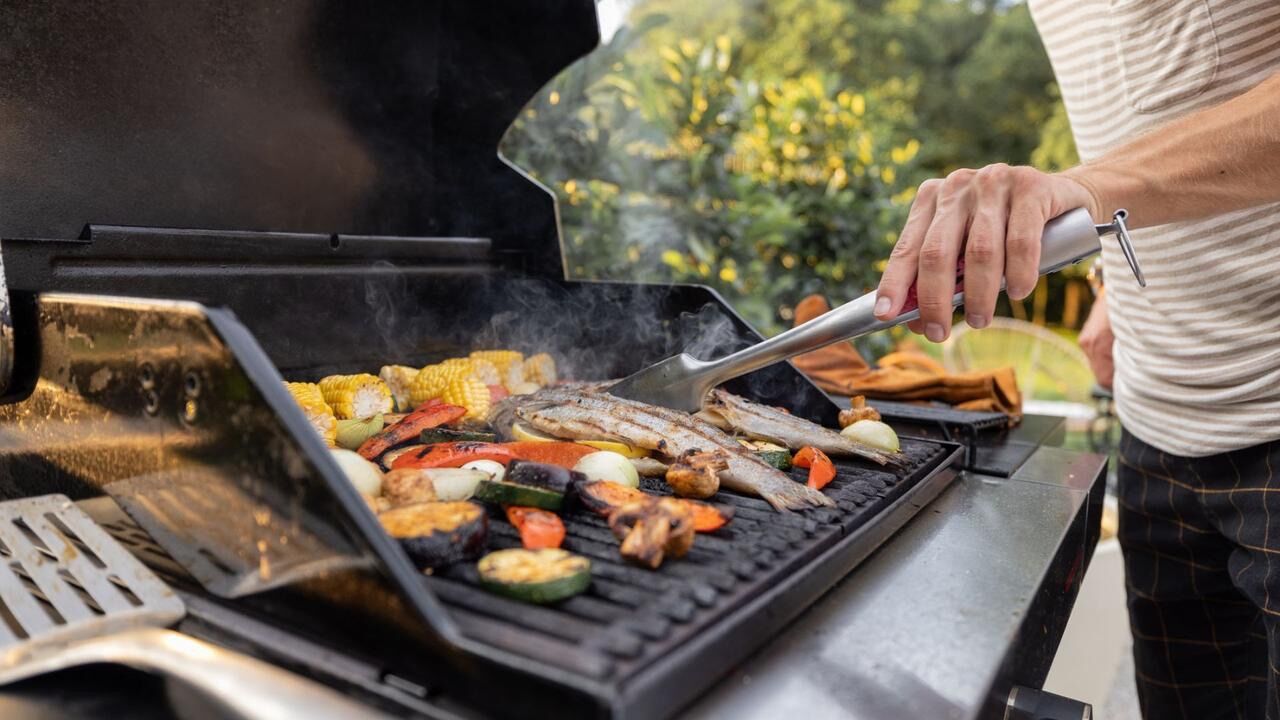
(728, 274)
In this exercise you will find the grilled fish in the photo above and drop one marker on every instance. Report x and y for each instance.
(582, 413)
(733, 413)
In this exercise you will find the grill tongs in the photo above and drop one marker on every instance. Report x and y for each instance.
(681, 382)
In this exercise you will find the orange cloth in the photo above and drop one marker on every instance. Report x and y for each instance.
(840, 369)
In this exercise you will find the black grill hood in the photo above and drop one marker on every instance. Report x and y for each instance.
(305, 116)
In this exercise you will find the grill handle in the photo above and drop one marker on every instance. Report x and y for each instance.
(6, 333)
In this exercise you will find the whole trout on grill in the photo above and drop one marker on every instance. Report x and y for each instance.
(588, 414)
(761, 422)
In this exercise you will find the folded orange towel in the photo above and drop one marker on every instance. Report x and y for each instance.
(840, 369)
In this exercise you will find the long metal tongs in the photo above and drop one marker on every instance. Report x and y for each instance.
(681, 382)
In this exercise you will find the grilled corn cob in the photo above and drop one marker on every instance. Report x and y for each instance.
(398, 378)
(319, 414)
(539, 369)
(485, 371)
(469, 393)
(501, 359)
(356, 396)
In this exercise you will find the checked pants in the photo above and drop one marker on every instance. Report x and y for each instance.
(1201, 542)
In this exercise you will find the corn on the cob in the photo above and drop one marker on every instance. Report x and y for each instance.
(469, 393)
(318, 412)
(486, 372)
(356, 396)
(398, 378)
(501, 359)
(540, 369)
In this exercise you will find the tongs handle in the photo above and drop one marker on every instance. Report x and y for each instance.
(1067, 239)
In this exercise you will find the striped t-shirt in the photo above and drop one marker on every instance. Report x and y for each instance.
(1197, 351)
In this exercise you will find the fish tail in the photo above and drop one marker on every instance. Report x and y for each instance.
(794, 496)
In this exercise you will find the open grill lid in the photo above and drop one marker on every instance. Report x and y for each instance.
(308, 116)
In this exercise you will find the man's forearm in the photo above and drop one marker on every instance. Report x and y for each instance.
(1213, 161)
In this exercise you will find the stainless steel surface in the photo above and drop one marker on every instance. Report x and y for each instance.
(921, 629)
(242, 685)
(63, 578)
(681, 382)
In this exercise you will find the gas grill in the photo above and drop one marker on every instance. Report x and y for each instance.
(215, 197)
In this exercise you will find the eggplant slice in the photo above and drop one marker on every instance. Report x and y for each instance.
(436, 534)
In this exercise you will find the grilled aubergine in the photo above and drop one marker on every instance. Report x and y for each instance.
(584, 412)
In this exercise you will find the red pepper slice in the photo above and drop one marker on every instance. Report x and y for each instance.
(497, 392)
(454, 454)
(538, 528)
(429, 415)
(564, 454)
(821, 469)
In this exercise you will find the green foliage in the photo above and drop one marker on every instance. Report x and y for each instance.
(771, 148)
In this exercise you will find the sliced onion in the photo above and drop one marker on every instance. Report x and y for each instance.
(494, 469)
(364, 475)
(609, 466)
(454, 484)
(873, 433)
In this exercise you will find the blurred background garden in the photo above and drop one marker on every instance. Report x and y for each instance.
(771, 149)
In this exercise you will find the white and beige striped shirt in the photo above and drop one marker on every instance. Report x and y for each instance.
(1197, 351)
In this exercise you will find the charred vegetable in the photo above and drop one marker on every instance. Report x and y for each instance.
(500, 492)
(364, 475)
(407, 430)
(408, 487)
(873, 433)
(535, 576)
(538, 528)
(455, 454)
(440, 533)
(780, 459)
(352, 433)
(443, 435)
(610, 466)
(542, 475)
(858, 410)
(821, 469)
(695, 474)
(389, 457)
(653, 530)
(603, 498)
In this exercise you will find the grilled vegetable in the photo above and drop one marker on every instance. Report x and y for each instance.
(609, 466)
(873, 433)
(543, 475)
(353, 432)
(525, 388)
(564, 454)
(364, 475)
(603, 498)
(695, 474)
(432, 380)
(389, 457)
(471, 394)
(858, 410)
(455, 483)
(454, 455)
(356, 396)
(318, 412)
(497, 393)
(495, 470)
(484, 371)
(408, 487)
(821, 469)
(538, 528)
(442, 435)
(535, 576)
(410, 428)
(439, 533)
(649, 467)
(540, 369)
(398, 379)
(501, 359)
(653, 530)
(780, 459)
(501, 492)
(522, 432)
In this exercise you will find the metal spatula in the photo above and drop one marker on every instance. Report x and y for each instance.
(71, 595)
(683, 381)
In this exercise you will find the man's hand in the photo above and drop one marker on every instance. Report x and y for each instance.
(1096, 341)
(993, 218)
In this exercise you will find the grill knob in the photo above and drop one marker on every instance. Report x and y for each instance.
(1028, 704)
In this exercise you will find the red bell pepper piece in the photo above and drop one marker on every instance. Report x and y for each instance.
(821, 469)
(538, 528)
(497, 392)
(457, 454)
(429, 415)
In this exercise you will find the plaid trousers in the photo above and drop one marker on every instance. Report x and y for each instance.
(1204, 602)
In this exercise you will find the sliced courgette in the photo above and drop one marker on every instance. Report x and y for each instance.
(431, 436)
(500, 492)
(438, 533)
(780, 459)
(535, 576)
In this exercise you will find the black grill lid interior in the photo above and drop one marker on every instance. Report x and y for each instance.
(315, 116)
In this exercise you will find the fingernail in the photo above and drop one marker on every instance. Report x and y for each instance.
(882, 305)
(934, 332)
(1018, 293)
(976, 321)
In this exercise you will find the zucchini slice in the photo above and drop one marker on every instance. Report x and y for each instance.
(500, 492)
(431, 436)
(535, 576)
(780, 459)
(438, 533)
